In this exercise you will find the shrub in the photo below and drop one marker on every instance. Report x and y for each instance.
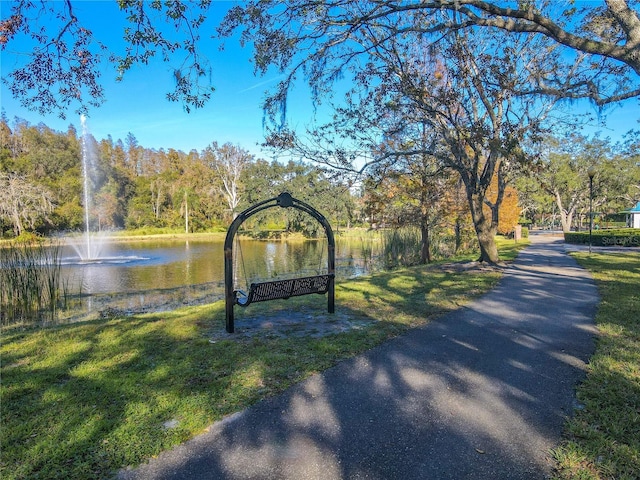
(627, 237)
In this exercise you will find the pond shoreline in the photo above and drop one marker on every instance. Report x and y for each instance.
(127, 236)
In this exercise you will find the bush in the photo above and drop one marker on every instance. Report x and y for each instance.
(627, 237)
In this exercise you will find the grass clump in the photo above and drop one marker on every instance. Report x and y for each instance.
(603, 436)
(84, 400)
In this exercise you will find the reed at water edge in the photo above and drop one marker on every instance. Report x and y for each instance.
(31, 286)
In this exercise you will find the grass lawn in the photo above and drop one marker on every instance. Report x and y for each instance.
(603, 437)
(84, 400)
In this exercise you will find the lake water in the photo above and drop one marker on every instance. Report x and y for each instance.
(153, 275)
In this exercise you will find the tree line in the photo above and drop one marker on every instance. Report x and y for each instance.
(132, 187)
(556, 191)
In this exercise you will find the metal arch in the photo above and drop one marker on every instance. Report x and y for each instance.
(284, 200)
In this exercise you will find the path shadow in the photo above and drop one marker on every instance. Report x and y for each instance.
(482, 392)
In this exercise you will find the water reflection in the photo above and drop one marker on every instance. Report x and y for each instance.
(163, 274)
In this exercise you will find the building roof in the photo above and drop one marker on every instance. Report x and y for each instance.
(636, 209)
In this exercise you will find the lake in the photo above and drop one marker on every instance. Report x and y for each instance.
(154, 275)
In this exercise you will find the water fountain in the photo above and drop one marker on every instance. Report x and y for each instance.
(89, 248)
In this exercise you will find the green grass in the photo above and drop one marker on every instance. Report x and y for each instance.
(84, 400)
(603, 437)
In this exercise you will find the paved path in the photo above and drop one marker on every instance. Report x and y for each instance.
(481, 393)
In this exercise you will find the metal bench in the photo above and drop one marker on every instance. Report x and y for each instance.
(283, 289)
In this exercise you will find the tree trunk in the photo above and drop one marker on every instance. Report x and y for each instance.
(486, 231)
(458, 231)
(17, 225)
(186, 213)
(425, 242)
(566, 216)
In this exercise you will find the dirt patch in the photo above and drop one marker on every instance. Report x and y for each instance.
(471, 267)
(303, 323)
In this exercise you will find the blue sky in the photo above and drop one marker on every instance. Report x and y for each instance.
(138, 104)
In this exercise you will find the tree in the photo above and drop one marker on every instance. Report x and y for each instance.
(509, 212)
(617, 180)
(133, 154)
(603, 61)
(228, 162)
(415, 186)
(339, 37)
(563, 175)
(630, 150)
(64, 65)
(463, 91)
(172, 189)
(22, 203)
(610, 32)
(49, 160)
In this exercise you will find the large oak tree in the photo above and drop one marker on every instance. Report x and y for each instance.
(466, 90)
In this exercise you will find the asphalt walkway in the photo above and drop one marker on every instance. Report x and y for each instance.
(481, 393)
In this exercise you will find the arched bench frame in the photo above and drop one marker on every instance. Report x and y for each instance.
(278, 289)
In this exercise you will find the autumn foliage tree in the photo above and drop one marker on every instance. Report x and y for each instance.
(509, 211)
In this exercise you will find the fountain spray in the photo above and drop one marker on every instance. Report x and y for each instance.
(86, 158)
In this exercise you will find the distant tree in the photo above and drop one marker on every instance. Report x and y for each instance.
(563, 174)
(630, 150)
(228, 162)
(22, 203)
(106, 206)
(133, 152)
(536, 204)
(619, 175)
(51, 161)
(5, 144)
(140, 208)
